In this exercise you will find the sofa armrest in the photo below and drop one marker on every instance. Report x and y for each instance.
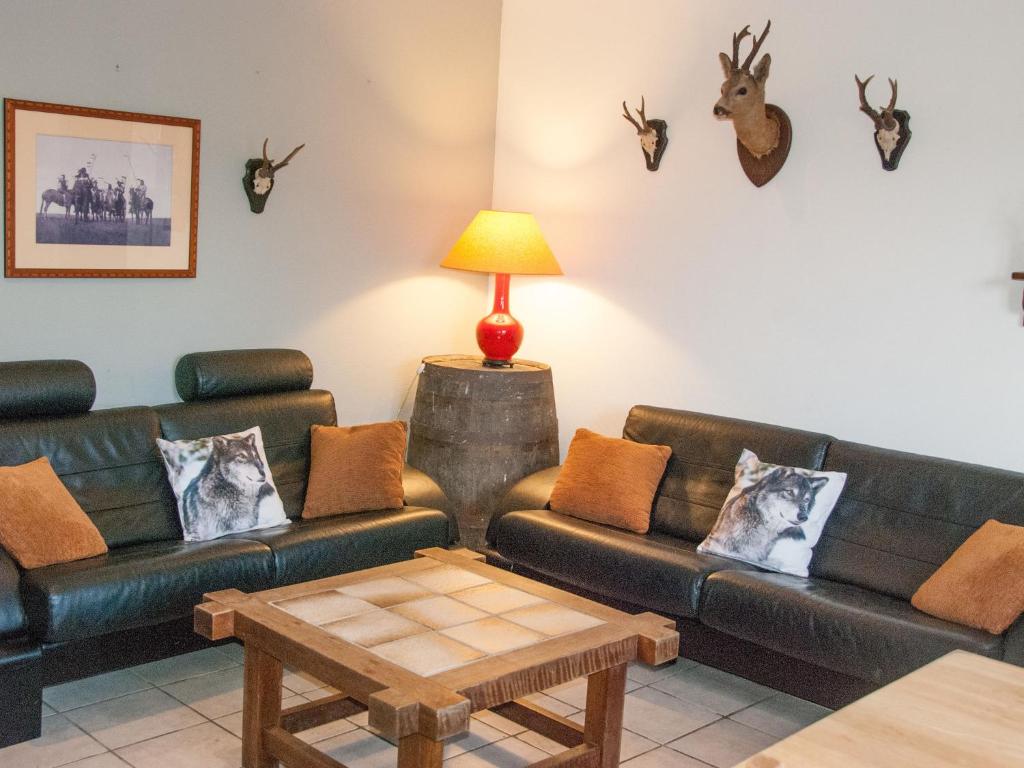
(532, 492)
(12, 614)
(422, 491)
(1013, 643)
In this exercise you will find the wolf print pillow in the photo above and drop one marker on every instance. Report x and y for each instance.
(223, 484)
(773, 516)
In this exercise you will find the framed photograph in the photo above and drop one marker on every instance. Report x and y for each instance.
(99, 193)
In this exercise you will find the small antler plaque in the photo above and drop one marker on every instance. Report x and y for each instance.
(653, 135)
(259, 177)
(892, 126)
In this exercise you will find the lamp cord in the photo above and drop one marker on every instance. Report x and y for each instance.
(404, 413)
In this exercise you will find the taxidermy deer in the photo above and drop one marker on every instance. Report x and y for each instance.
(761, 129)
(259, 177)
(653, 135)
(891, 129)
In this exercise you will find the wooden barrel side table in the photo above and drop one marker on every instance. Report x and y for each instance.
(479, 430)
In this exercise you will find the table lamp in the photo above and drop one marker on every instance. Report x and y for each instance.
(506, 244)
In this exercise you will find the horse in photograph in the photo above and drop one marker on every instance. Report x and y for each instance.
(63, 198)
(82, 199)
(141, 207)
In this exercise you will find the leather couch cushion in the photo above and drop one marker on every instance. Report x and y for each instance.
(838, 626)
(109, 461)
(315, 549)
(40, 522)
(705, 450)
(138, 586)
(45, 388)
(284, 418)
(355, 469)
(901, 515)
(231, 372)
(12, 615)
(982, 584)
(660, 573)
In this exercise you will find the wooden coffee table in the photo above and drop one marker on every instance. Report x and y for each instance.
(962, 710)
(424, 643)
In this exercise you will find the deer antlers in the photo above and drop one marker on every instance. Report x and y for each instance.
(885, 119)
(269, 167)
(758, 41)
(642, 126)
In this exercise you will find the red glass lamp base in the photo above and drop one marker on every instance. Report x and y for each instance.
(499, 335)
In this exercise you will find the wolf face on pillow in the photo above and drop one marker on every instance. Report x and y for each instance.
(761, 516)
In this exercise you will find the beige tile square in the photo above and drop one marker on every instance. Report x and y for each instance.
(386, 592)
(133, 718)
(507, 753)
(360, 749)
(106, 760)
(92, 689)
(368, 629)
(233, 722)
(494, 635)
(724, 743)
(552, 619)
(448, 578)
(322, 607)
(427, 654)
(213, 695)
(176, 668)
(439, 612)
(496, 598)
(202, 746)
(61, 742)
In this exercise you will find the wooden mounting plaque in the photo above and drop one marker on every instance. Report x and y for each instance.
(762, 170)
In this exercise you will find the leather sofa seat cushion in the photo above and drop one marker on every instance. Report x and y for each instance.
(837, 626)
(660, 573)
(137, 586)
(12, 615)
(315, 549)
(705, 449)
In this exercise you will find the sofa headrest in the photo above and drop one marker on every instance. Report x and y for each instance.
(45, 388)
(209, 375)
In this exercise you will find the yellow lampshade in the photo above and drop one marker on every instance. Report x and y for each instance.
(503, 243)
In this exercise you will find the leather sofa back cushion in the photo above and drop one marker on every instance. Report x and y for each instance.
(284, 419)
(982, 584)
(705, 450)
(40, 522)
(609, 480)
(232, 372)
(355, 469)
(45, 388)
(901, 516)
(109, 462)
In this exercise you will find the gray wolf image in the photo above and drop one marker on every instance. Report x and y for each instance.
(225, 496)
(770, 510)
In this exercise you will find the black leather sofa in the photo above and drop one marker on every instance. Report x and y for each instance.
(831, 638)
(134, 604)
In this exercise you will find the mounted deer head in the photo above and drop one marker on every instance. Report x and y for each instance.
(743, 95)
(892, 131)
(259, 177)
(653, 135)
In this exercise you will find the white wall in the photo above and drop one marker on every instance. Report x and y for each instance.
(876, 306)
(395, 101)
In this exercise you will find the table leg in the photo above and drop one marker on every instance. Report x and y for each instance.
(417, 751)
(606, 696)
(261, 706)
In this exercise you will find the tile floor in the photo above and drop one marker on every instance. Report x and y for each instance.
(185, 712)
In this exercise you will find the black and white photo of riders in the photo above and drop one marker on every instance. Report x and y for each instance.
(99, 192)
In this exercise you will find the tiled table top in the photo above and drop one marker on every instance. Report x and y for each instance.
(438, 619)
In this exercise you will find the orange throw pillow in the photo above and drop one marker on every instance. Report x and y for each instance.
(982, 583)
(355, 469)
(609, 480)
(40, 521)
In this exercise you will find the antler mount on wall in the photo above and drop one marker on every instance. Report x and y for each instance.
(653, 135)
(259, 177)
(763, 131)
(892, 126)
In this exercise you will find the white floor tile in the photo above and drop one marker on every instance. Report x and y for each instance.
(633, 744)
(202, 746)
(781, 715)
(61, 742)
(480, 734)
(133, 718)
(233, 722)
(234, 651)
(47, 710)
(360, 749)
(724, 743)
(574, 692)
(92, 689)
(507, 753)
(550, 746)
(495, 720)
(106, 760)
(181, 667)
(662, 718)
(663, 757)
(645, 675)
(213, 695)
(713, 689)
(554, 705)
(301, 682)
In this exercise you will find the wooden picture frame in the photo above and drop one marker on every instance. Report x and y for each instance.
(99, 193)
